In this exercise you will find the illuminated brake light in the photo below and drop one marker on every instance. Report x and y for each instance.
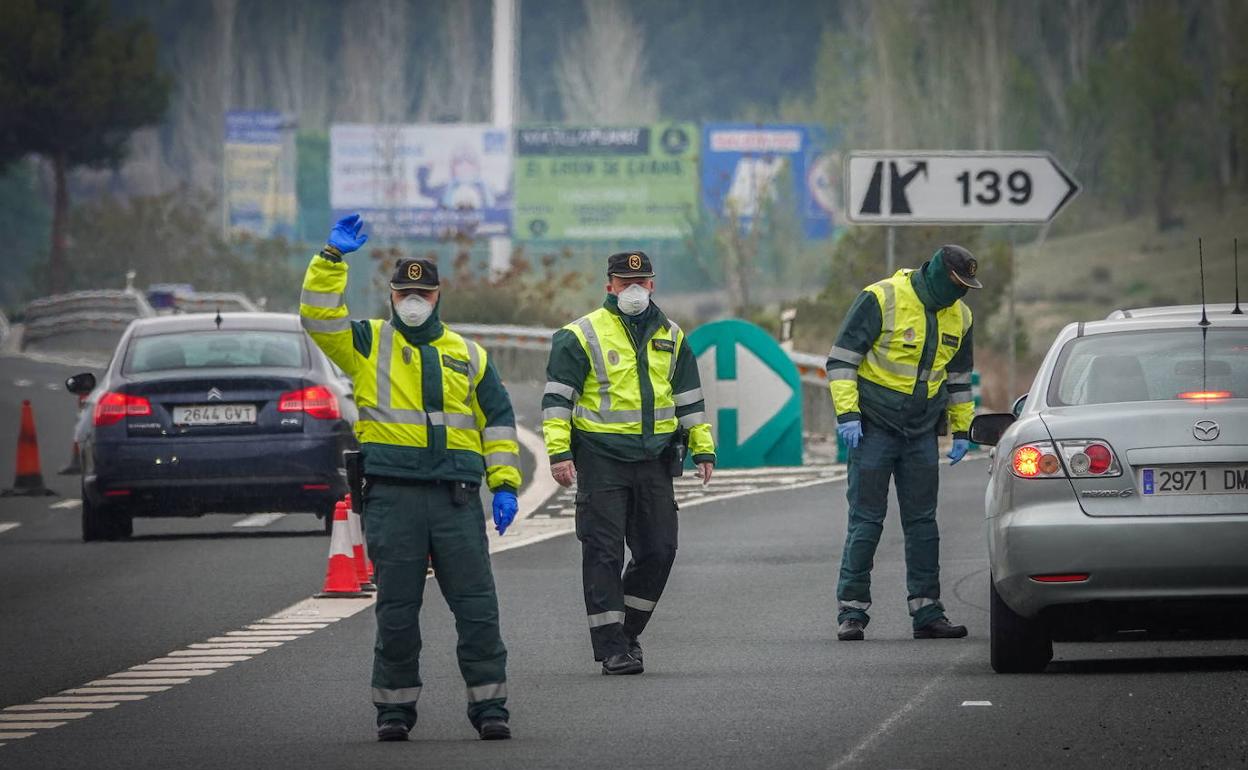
(317, 401)
(1036, 460)
(1205, 395)
(113, 407)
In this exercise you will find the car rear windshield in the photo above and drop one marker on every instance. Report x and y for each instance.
(1152, 365)
(213, 350)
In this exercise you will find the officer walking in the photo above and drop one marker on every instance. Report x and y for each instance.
(622, 394)
(434, 417)
(900, 373)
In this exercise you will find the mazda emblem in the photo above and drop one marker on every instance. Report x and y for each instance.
(1206, 430)
(214, 395)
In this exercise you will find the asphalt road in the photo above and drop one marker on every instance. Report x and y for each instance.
(742, 666)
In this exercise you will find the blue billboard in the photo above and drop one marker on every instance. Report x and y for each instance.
(743, 163)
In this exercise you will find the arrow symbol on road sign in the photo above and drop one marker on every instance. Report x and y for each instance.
(914, 187)
(758, 393)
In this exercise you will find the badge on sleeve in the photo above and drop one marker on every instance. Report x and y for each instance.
(665, 346)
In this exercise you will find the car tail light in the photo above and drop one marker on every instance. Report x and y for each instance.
(1036, 460)
(1086, 458)
(1205, 395)
(113, 407)
(317, 401)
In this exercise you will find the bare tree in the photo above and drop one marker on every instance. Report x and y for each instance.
(601, 72)
(456, 85)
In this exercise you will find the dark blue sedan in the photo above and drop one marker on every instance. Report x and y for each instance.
(212, 413)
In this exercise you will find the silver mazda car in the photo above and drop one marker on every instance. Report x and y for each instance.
(1117, 505)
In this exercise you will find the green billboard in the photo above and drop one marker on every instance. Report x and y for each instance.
(605, 183)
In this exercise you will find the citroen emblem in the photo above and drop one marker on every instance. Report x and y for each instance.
(1206, 430)
(214, 395)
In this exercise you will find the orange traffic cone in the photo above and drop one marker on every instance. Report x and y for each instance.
(29, 477)
(357, 548)
(372, 573)
(340, 579)
(75, 454)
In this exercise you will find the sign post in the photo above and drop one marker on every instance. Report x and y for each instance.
(753, 395)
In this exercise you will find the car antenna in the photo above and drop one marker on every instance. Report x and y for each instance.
(1204, 316)
(218, 318)
(1237, 311)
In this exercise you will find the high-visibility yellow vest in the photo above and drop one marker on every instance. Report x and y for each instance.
(610, 399)
(893, 361)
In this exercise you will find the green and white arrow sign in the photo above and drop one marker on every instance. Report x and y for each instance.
(753, 395)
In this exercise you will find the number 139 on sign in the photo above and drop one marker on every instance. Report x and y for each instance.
(986, 187)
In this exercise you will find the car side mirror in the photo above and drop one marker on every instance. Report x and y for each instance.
(80, 384)
(1017, 408)
(987, 428)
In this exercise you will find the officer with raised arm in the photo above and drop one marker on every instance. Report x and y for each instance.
(434, 418)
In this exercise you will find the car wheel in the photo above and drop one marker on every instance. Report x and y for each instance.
(1017, 645)
(100, 522)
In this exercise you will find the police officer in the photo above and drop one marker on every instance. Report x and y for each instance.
(622, 393)
(899, 373)
(434, 416)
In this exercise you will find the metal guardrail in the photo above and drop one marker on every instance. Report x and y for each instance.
(107, 311)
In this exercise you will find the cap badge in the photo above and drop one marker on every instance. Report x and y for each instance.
(414, 271)
(972, 266)
(634, 261)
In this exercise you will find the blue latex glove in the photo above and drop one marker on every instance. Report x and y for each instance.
(851, 432)
(960, 447)
(346, 234)
(505, 508)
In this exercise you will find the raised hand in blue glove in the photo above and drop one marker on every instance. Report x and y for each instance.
(850, 432)
(505, 508)
(346, 234)
(960, 447)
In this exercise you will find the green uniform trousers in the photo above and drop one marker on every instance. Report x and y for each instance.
(406, 524)
(914, 463)
(616, 503)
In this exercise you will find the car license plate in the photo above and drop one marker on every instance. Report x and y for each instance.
(214, 414)
(1195, 480)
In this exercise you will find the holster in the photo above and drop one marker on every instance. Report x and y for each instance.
(674, 453)
(353, 462)
(462, 492)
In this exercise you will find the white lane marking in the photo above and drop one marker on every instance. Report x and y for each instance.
(253, 639)
(115, 682)
(42, 716)
(74, 503)
(286, 627)
(35, 725)
(5, 526)
(90, 698)
(900, 713)
(179, 666)
(202, 659)
(53, 385)
(233, 645)
(259, 520)
(976, 703)
(147, 687)
(62, 706)
(210, 653)
(4, 736)
(23, 383)
(270, 630)
(161, 674)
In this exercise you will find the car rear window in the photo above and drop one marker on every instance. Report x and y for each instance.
(1152, 365)
(213, 350)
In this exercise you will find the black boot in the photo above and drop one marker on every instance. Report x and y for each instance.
(940, 628)
(622, 663)
(850, 630)
(634, 648)
(494, 729)
(393, 730)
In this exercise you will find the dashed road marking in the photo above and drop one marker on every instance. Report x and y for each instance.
(5, 526)
(258, 520)
(177, 667)
(73, 503)
(23, 383)
(976, 703)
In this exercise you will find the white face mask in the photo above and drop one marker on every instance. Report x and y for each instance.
(414, 310)
(634, 299)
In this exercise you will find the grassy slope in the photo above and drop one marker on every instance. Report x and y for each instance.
(1085, 276)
